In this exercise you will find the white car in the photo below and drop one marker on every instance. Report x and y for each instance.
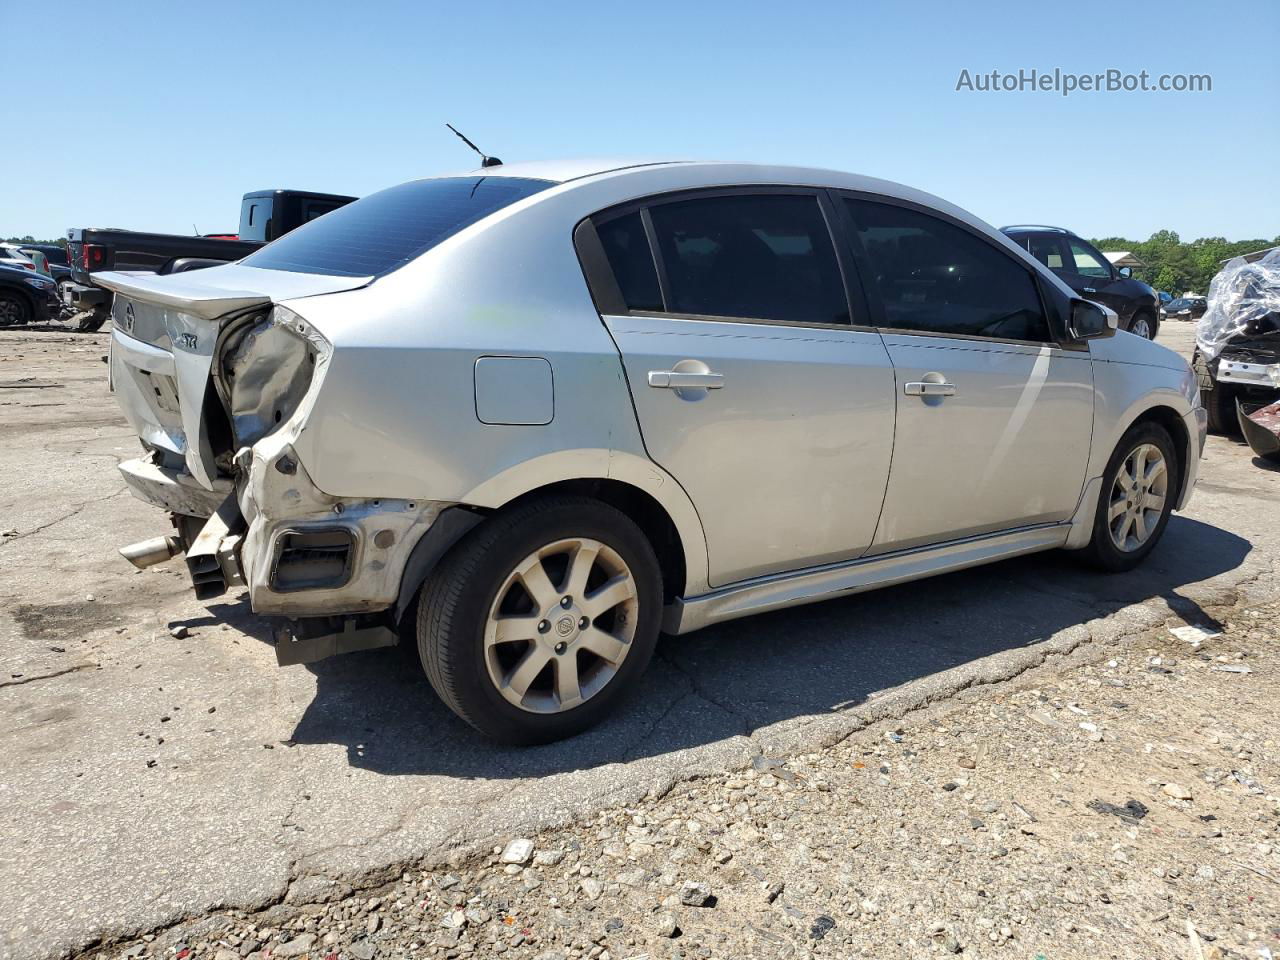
(528, 417)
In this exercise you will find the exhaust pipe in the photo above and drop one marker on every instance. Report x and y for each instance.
(147, 553)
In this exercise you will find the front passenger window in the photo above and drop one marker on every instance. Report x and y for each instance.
(935, 277)
(1088, 262)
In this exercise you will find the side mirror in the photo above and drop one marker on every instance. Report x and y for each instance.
(1124, 272)
(1089, 321)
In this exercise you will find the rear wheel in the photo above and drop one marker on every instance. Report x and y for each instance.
(534, 626)
(1138, 491)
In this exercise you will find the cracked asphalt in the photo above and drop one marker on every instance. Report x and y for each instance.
(145, 779)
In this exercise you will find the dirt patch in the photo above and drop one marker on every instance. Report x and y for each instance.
(54, 621)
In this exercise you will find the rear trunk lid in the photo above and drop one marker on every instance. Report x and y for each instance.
(165, 331)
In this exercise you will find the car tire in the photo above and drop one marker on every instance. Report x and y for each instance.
(15, 310)
(1127, 524)
(1219, 399)
(520, 690)
(1220, 409)
(1151, 322)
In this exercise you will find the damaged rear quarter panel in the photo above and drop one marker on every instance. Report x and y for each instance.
(276, 503)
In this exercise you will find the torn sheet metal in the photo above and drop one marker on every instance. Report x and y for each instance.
(1244, 299)
(1261, 428)
(266, 366)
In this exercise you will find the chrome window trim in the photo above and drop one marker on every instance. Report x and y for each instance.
(716, 318)
(935, 334)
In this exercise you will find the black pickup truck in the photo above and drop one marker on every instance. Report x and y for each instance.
(264, 215)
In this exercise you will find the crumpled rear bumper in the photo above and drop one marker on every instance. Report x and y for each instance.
(173, 490)
(307, 553)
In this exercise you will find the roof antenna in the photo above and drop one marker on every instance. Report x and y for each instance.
(485, 161)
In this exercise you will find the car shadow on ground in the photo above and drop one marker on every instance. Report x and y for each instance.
(741, 676)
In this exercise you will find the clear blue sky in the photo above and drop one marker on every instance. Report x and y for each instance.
(158, 115)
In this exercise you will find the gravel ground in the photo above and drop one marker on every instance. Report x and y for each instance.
(1121, 802)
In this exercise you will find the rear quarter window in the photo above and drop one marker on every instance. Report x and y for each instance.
(631, 259)
(385, 230)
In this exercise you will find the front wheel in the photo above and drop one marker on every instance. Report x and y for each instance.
(14, 310)
(1144, 325)
(535, 625)
(1138, 491)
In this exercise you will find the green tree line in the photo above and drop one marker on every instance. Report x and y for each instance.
(1175, 266)
(61, 241)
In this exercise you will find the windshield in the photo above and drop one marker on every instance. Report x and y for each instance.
(386, 230)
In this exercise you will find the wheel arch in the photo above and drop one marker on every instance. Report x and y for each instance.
(634, 485)
(1173, 423)
(1186, 450)
(643, 510)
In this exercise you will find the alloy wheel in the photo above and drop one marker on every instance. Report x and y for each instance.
(1138, 497)
(561, 625)
(1141, 328)
(12, 312)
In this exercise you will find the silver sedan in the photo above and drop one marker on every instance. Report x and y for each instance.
(531, 416)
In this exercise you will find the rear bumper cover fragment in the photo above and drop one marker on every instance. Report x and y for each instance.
(175, 492)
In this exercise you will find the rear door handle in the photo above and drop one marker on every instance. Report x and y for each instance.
(677, 380)
(929, 388)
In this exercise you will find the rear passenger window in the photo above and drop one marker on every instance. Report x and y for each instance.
(627, 249)
(937, 278)
(1047, 250)
(765, 257)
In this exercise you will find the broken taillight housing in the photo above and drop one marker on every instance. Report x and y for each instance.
(266, 364)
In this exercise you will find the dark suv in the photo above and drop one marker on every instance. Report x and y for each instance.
(1090, 274)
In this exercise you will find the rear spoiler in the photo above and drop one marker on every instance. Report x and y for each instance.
(181, 294)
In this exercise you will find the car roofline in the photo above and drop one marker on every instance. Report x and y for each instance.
(1030, 227)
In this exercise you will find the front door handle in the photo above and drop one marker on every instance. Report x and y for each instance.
(929, 388)
(679, 380)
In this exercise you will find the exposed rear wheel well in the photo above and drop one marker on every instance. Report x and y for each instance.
(644, 511)
(1176, 427)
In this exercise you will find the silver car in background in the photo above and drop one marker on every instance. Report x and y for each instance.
(534, 415)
